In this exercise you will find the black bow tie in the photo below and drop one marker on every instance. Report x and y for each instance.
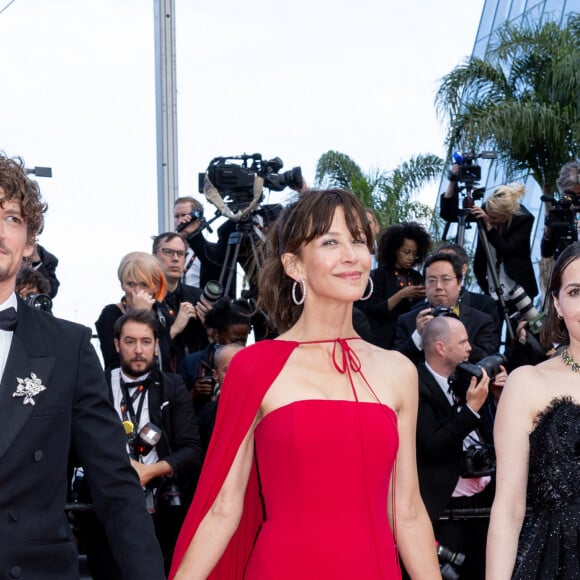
(8, 319)
(145, 383)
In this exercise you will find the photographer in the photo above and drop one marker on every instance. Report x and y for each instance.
(182, 207)
(227, 322)
(445, 429)
(162, 439)
(443, 276)
(508, 227)
(557, 234)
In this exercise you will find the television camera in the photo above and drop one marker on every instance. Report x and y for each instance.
(235, 179)
(469, 173)
(234, 185)
(563, 219)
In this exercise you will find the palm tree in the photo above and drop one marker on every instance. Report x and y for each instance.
(523, 100)
(389, 194)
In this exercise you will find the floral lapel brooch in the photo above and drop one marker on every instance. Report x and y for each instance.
(29, 388)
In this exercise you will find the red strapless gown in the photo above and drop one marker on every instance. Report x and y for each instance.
(325, 469)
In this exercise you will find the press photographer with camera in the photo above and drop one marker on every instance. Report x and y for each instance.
(162, 439)
(449, 431)
(443, 277)
(508, 229)
(561, 225)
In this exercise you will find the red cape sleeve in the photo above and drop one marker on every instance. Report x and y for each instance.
(249, 376)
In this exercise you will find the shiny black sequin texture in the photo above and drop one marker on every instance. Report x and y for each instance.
(549, 545)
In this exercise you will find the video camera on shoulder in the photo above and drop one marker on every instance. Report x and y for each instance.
(459, 381)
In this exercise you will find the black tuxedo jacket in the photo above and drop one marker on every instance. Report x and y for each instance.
(440, 434)
(480, 329)
(72, 413)
(171, 410)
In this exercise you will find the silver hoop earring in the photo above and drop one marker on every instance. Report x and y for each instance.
(370, 292)
(303, 288)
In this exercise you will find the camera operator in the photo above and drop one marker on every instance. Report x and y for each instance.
(186, 331)
(443, 276)
(508, 228)
(162, 439)
(568, 183)
(445, 430)
(182, 207)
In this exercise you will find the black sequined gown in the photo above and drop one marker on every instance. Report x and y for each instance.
(549, 545)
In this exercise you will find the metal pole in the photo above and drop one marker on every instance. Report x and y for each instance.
(166, 107)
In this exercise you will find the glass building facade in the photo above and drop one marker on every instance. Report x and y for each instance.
(494, 14)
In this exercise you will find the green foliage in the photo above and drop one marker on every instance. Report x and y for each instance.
(523, 100)
(390, 194)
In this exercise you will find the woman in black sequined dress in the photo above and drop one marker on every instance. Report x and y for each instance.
(537, 438)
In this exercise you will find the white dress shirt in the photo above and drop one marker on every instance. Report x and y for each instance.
(6, 335)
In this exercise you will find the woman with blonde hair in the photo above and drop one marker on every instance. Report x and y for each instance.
(508, 227)
(145, 287)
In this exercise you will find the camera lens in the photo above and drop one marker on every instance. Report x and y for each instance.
(213, 291)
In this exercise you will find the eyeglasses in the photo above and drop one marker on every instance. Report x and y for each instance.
(170, 253)
(444, 280)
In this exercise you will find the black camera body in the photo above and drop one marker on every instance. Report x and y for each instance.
(478, 460)
(442, 310)
(562, 219)
(460, 379)
(169, 494)
(468, 170)
(234, 176)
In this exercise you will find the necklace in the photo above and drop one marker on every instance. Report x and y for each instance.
(569, 361)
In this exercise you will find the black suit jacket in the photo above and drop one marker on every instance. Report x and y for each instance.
(480, 329)
(171, 410)
(440, 434)
(72, 413)
(513, 247)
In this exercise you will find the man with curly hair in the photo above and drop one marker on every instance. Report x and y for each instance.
(53, 401)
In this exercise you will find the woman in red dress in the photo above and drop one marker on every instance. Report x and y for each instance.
(311, 469)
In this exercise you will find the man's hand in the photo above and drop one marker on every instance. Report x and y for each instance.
(498, 383)
(201, 309)
(193, 225)
(477, 392)
(423, 318)
(202, 386)
(148, 472)
(186, 313)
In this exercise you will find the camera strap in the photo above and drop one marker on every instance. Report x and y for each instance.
(140, 392)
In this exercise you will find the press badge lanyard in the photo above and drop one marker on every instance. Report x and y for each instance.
(127, 409)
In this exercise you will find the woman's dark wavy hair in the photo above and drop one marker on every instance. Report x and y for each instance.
(554, 329)
(393, 238)
(300, 223)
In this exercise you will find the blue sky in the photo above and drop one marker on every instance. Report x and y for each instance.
(291, 80)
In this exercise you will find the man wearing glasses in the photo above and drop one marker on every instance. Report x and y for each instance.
(443, 277)
(186, 332)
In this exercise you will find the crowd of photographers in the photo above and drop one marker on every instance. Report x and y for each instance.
(167, 343)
